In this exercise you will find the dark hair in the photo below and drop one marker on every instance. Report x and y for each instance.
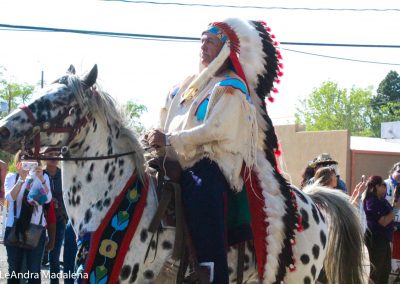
(393, 169)
(324, 175)
(371, 190)
(307, 175)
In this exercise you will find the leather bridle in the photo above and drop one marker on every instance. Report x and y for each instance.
(53, 126)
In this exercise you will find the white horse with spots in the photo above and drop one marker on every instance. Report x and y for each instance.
(75, 114)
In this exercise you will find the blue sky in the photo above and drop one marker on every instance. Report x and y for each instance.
(143, 70)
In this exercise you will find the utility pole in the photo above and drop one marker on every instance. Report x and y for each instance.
(41, 81)
(9, 99)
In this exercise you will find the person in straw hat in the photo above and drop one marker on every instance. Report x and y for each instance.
(325, 160)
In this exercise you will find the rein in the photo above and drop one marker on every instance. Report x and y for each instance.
(52, 158)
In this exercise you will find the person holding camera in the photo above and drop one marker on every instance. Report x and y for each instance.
(26, 191)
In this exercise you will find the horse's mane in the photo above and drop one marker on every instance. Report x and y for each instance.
(104, 107)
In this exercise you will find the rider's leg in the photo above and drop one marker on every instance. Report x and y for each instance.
(204, 189)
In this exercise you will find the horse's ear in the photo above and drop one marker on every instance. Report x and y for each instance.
(71, 70)
(90, 78)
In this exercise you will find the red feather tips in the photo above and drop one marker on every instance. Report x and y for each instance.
(276, 43)
(292, 268)
(277, 81)
(278, 54)
(271, 99)
(280, 65)
(280, 74)
(275, 90)
(273, 36)
(299, 224)
(277, 151)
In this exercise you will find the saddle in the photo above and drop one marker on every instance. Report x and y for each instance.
(170, 212)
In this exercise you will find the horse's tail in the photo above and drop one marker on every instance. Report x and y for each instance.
(344, 255)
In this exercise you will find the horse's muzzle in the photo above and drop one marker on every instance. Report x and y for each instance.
(4, 133)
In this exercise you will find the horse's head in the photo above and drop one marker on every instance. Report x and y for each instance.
(54, 118)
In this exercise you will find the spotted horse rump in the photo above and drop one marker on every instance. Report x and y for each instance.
(100, 153)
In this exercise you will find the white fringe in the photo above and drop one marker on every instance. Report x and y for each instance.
(250, 154)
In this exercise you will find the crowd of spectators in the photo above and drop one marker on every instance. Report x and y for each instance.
(377, 201)
(46, 209)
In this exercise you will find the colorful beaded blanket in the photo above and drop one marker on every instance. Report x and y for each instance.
(109, 244)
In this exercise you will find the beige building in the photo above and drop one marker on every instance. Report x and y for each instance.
(356, 155)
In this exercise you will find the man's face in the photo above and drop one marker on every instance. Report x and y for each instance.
(210, 47)
(52, 163)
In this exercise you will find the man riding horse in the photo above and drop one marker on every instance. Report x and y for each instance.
(210, 126)
(218, 129)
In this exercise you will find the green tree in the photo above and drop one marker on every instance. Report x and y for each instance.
(332, 108)
(13, 93)
(386, 103)
(134, 111)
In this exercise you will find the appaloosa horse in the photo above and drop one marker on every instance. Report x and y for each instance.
(103, 162)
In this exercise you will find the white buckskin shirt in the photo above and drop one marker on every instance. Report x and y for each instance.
(218, 123)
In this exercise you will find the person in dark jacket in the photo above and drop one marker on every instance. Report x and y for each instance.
(54, 174)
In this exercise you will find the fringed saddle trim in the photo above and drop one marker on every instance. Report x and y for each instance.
(110, 242)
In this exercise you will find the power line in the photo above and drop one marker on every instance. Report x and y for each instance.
(342, 44)
(256, 7)
(342, 58)
(99, 33)
(179, 38)
(196, 39)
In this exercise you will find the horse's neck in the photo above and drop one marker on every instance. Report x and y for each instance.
(90, 187)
